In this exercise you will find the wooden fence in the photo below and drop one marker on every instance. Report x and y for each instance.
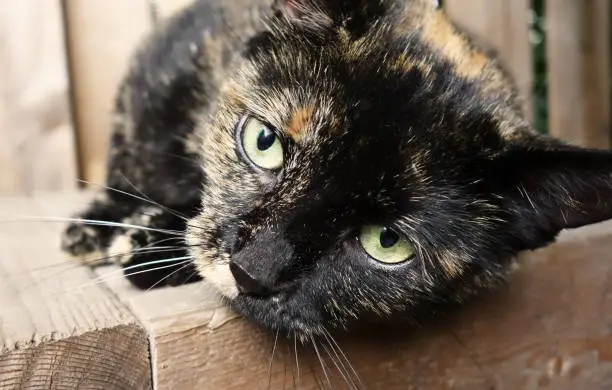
(56, 55)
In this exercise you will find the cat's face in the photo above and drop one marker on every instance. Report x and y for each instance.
(356, 171)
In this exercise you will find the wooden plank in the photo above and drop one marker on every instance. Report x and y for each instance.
(578, 55)
(58, 329)
(503, 25)
(549, 329)
(37, 150)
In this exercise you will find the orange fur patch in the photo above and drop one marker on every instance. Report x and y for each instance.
(441, 35)
(298, 122)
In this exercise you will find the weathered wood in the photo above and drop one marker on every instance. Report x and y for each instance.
(58, 328)
(503, 25)
(548, 329)
(37, 150)
(578, 55)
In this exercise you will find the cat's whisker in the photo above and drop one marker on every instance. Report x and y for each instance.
(338, 361)
(339, 366)
(176, 214)
(333, 341)
(75, 263)
(142, 198)
(314, 344)
(120, 273)
(98, 261)
(297, 361)
(170, 275)
(272, 359)
(94, 222)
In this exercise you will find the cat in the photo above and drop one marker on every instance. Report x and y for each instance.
(328, 163)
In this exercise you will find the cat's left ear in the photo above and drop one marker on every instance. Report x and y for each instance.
(354, 15)
(549, 187)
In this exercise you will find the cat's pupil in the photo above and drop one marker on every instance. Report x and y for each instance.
(388, 237)
(265, 139)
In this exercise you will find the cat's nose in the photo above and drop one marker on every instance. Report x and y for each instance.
(247, 283)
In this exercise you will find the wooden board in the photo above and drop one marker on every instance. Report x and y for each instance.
(59, 329)
(504, 26)
(550, 328)
(37, 151)
(579, 69)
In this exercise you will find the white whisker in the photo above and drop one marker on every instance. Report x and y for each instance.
(314, 344)
(94, 222)
(272, 359)
(105, 278)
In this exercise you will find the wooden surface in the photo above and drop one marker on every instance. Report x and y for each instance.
(579, 71)
(58, 329)
(504, 26)
(550, 328)
(37, 150)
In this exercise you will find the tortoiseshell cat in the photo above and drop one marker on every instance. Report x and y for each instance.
(351, 160)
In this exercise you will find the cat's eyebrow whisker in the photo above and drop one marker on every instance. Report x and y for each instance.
(314, 344)
(93, 222)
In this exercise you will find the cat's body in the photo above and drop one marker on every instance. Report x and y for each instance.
(355, 160)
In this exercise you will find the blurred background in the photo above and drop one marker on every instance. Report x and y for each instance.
(61, 61)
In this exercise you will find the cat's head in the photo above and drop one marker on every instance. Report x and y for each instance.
(365, 160)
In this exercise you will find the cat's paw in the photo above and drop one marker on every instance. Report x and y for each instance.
(150, 260)
(81, 241)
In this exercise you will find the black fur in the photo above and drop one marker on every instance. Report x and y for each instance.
(381, 123)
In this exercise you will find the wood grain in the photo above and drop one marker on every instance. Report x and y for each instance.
(550, 328)
(504, 26)
(578, 54)
(58, 328)
(37, 151)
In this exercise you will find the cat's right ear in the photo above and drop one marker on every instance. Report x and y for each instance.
(550, 186)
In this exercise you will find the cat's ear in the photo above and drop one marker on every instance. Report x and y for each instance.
(354, 15)
(552, 187)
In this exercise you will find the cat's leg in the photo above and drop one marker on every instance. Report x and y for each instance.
(155, 255)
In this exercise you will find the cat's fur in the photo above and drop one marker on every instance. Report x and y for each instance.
(389, 115)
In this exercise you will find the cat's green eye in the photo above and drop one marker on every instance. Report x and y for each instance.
(385, 245)
(261, 145)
